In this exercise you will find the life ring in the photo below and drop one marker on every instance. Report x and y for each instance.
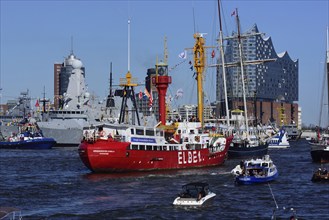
(197, 138)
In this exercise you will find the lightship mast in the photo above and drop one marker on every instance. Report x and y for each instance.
(199, 64)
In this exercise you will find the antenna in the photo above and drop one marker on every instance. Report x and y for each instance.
(165, 55)
(327, 44)
(71, 44)
(111, 80)
(194, 20)
(129, 45)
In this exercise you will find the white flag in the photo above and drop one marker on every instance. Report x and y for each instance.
(183, 55)
(179, 93)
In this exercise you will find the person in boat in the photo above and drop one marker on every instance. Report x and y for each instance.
(201, 194)
(11, 137)
(27, 133)
(86, 135)
(101, 132)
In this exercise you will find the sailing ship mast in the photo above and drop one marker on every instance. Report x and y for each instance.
(242, 75)
(327, 60)
(325, 75)
(221, 43)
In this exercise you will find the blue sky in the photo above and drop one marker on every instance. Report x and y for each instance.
(37, 34)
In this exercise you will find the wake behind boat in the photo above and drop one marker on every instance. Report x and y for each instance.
(194, 194)
(260, 170)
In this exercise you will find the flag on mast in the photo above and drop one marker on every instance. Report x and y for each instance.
(182, 55)
(147, 93)
(140, 95)
(151, 99)
(37, 103)
(213, 54)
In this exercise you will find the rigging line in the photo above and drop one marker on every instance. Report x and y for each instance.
(224, 18)
(322, 96)
(191, 96)
(276, 204)
(129, 21)
(213, 36)
(192, 90)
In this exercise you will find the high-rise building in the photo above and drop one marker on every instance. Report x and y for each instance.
(270, 85)
(57, 72)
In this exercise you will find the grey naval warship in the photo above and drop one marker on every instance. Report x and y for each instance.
(77, 108)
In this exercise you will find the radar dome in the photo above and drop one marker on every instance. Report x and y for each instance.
(87, 95)
(76, 64)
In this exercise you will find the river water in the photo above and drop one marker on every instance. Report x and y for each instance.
(54, 184)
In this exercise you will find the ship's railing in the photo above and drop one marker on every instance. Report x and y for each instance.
(10, 213)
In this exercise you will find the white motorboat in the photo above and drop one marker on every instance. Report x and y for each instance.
(194, 194)
(279, 140)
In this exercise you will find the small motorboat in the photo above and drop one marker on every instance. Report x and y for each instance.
(27, 139)
(321, 175)
(194, 194)
(260, 170)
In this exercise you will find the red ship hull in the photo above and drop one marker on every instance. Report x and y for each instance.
(113, 156)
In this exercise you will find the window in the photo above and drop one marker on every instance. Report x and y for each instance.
(139, 131)
(150, 132)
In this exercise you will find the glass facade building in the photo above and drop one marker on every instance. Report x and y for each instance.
(276, 79)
